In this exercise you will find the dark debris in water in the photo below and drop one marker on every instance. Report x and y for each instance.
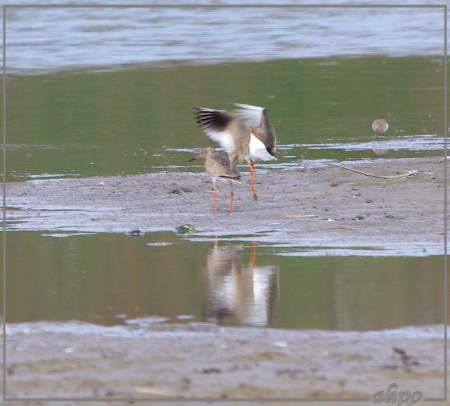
(185, 229)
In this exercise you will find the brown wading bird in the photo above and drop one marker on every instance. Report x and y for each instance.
(245, 134)
(218, 167)
(380, 126)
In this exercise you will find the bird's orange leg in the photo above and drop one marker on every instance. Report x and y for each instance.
(231, 198)
(252, 175)
(253, 254)
(213, 208)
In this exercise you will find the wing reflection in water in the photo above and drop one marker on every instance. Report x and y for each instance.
(237, 294)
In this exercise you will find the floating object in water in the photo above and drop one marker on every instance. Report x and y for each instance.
(185, 229)
(380, 126)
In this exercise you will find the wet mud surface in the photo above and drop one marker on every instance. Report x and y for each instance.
(203, 361)
(324, 208)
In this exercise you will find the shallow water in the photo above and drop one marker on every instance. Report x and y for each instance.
(42, 39)
(94, 91)
(165, 278)
(141, 120)
(111, 90)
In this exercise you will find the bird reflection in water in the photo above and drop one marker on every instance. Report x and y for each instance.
(235, 293)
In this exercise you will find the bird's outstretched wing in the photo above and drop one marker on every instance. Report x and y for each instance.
(214, 124)
(257, 118)
(253, 115)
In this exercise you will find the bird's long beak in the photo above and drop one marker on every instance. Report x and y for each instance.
(198, 156)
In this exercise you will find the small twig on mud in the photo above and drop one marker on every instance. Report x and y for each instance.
(301, 216)
(67, 367)
(404, 175)
(155, 391)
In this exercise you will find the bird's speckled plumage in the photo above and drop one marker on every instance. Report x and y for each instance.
(218, 167)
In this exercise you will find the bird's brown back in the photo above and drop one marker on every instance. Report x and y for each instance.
(218, 165)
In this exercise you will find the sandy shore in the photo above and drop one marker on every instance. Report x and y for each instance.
(328, 209)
